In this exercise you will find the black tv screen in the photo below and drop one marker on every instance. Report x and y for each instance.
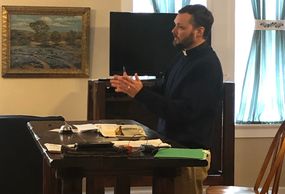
(142, 42)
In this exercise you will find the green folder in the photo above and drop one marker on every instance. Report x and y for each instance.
(181, 153)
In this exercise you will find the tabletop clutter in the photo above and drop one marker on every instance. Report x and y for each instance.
(116, 135)
(119, 139)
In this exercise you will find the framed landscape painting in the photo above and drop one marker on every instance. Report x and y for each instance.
(45, 41)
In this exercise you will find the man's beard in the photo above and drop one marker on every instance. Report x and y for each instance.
(185, 43)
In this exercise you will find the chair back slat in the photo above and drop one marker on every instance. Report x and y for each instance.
(275, 186)
(277, 180)
(278, 149)
(275, 155)
(279, 162)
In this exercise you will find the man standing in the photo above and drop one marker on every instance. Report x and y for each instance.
(187, 99)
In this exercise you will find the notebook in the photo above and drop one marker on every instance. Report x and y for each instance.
(182, 153)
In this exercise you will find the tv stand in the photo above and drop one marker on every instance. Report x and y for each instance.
(105, 103)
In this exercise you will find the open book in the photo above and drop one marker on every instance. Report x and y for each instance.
(113, 130)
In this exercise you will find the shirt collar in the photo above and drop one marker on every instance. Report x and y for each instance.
(196, 49)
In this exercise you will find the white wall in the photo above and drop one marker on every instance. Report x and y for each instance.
(66, 96)
(223, 34)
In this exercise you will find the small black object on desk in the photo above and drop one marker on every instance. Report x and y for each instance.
(92, 146)
(147, 148)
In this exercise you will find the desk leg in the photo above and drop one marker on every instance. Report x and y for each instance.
(122, 185)
(95, 185)
(163, 183)
(51, 185)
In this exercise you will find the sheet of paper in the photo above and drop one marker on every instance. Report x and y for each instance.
(55, 130)
(81, 128)
(55, 148)
(138, 143)
(85, 127)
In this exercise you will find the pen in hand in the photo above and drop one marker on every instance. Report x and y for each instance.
(124, 69)
(127, 84)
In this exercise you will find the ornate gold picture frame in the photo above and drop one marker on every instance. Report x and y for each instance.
(45, 41)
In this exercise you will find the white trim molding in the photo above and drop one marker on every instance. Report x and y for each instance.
(255, 130)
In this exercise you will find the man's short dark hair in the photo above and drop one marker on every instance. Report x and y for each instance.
(201, 16)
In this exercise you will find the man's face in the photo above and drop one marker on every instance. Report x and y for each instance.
(184, 32)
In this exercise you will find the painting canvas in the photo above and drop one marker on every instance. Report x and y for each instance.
(45, 41)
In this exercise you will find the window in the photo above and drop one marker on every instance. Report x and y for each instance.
(259, 62)
(146, 5)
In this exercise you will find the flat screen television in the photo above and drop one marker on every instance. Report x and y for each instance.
(142, 42)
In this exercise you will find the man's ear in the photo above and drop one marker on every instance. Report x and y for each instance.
(200, 31)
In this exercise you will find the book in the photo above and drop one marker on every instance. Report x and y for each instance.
(182, 153)
(113, 130)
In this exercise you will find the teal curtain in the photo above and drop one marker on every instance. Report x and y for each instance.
(262, 98)
(185, 2)
(167, 6)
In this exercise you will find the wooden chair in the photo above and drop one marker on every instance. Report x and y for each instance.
(269, 174)
(221, 171)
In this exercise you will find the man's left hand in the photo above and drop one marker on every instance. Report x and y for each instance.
(126, 84)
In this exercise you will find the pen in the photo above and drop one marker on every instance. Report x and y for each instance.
(124, 69)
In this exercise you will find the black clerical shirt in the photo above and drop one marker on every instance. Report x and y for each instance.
(187, 100)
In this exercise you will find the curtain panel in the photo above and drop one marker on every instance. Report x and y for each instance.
(262, 97)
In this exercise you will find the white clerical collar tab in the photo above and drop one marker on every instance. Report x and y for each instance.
(184, 52)
(269, 24)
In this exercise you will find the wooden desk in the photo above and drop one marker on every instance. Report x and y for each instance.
(70, 170)
(105, 103)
